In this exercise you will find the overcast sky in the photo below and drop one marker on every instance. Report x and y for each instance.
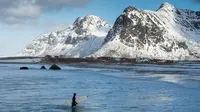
(23, 20)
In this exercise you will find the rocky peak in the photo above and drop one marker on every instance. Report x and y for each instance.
(88, 25)
(92, 18)
(166, 7)
(130, 9)
(89, 22)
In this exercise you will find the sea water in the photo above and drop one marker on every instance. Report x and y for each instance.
(110, 88)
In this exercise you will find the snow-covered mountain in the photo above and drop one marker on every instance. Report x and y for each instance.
(83, 38)
(168, 33)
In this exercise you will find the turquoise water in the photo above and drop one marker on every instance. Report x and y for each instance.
(110, 88)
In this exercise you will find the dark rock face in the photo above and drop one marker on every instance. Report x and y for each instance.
(43, 68)
(192, 19)
(24, 68)
(136, 34)
(55, 67)
(146, 34)
(198, 13)
(73, 41)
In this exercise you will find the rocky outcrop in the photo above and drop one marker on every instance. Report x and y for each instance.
(55, 67)
(24, 68)
(43, 68)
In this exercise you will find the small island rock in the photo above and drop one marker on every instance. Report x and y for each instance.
(24, 68)
(43, 68)
(55, 67)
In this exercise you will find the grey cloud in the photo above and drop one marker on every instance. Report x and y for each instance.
(19, 11)
(8, 3)
(59, 4)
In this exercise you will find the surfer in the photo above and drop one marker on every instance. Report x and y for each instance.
(74, 103)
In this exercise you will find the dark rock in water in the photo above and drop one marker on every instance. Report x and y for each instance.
(55, 67)
(43, 68)
(24, 68)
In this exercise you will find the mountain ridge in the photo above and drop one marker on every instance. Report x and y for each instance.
(167, 33)
(161, 34)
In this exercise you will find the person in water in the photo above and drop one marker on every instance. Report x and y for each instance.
(74, 103)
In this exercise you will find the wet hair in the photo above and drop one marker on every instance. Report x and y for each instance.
(74, 94)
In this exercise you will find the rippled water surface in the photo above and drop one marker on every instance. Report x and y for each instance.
(110, 88)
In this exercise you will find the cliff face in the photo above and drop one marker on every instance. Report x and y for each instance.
(168, 33)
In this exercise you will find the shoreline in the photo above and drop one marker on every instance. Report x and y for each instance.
(20, 57)
(100, 60)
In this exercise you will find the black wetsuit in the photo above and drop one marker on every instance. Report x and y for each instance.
(74, 103)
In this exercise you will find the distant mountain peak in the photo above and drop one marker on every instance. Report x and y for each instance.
(88, 18)
(92, 17)
(166, 6)
(130, 9)
(89, 22)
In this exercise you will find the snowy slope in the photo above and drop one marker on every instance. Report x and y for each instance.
(168, 33)
(84, 37)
